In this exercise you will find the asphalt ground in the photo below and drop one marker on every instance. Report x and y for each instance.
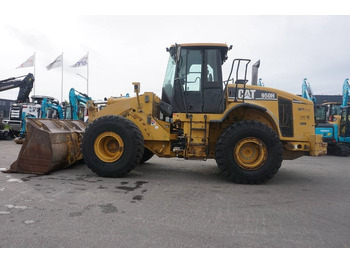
(176, 203)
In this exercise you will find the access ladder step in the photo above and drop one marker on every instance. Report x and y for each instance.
(197, 144)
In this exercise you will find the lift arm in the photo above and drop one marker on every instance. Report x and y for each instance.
(307, 91)
(346, 88)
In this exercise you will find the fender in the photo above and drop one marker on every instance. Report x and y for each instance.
(262, 109)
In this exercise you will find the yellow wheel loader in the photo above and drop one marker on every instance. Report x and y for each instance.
(247, 129)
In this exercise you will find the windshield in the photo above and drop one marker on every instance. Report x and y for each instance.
(320, 114)
(169, 77)
(336, 110)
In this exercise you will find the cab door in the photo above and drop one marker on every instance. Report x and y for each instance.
(190, 75)
(213, 101)
(200, 76)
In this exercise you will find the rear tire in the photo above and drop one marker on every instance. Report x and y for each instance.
(112, 146)
(249, 152)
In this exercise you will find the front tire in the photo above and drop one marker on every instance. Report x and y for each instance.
(249, 152)
(112, 146)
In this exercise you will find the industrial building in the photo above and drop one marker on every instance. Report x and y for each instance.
(320, 99)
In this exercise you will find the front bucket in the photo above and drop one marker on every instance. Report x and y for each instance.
(50, 145)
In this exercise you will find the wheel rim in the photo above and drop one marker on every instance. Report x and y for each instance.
(109, 147)
(250, 153)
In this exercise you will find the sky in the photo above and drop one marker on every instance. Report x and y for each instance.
(131, 46)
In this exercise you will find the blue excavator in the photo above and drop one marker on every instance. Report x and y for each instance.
(306, 91)
(51, 109)
(332, 120)
(71, 111)
(46, 105)
(341, 143)
(76, 98)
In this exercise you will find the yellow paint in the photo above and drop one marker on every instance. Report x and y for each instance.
(200, 135)
(250, 153)
(109, 147)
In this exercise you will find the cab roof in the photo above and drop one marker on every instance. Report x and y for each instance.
(220, 45)
(224, 48)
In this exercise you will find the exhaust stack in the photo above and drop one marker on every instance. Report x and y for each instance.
(255, 69)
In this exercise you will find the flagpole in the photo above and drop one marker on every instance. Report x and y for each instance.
(62, 81)
(87, 74)
(34, 71)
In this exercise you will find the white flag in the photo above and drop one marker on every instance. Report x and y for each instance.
(56, 63)
(82, 61)
(29, 62)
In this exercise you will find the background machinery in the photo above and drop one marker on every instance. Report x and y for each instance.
(23, 108)
(332, 123)
(323, 127)
(261, 83)
(14, 123)
(247, 129)
(6, 132)
(333, 109)
(46, 105)
(74, 110)
(306, 91)
(20, 112)
(25, 86)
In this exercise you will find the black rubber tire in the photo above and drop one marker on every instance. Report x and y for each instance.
(133, 146)
(248, 129)
(147, 155)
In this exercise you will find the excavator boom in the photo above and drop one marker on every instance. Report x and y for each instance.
(25, 85)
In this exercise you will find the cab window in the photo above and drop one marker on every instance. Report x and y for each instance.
(190, 68)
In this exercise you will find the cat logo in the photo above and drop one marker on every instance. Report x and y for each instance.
(248, 94)
(252, 94)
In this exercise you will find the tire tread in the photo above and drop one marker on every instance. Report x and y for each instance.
(221, 157)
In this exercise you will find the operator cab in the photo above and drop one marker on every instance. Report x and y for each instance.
(193, 80)
(332, 109)
(345, 124)
(321, 114)
(38, 99)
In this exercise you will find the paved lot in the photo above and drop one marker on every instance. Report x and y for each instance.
(176, 203)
